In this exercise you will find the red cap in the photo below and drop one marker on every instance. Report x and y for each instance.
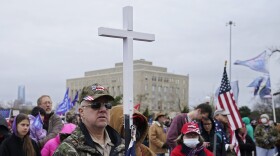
(190, 127)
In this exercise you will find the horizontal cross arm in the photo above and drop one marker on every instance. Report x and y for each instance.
(118, 33)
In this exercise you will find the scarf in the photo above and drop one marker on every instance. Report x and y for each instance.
(243, 136)
(192, 151)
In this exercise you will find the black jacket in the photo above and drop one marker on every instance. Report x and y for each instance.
(246, 148)
(208, 137)
(4, 130)
(13, 146)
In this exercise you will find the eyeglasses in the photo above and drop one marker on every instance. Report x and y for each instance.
(97, 105)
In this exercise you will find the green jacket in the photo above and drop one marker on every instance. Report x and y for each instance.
(266, 136)
(79, 143)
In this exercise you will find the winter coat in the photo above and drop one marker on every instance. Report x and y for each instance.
(13, 146)
(250, 130)
(246, 147)
(278, 140)
(178, 151)
(175, 129)
(54, 127)
(79, 143)
(4, 130)
(157, 137)
(50, 147)
(222, 139)
(35, 134)
(209, 137)
(117, 122)
(266, 136)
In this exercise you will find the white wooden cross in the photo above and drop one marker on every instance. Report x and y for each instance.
(128, 35)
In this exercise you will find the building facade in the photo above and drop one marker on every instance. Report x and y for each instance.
(154, 87)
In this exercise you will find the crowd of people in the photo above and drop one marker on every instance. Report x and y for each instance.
(98, 129)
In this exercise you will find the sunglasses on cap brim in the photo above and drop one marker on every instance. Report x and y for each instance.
(97, 105)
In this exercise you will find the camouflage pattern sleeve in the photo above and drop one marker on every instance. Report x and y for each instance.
(65, 149)
(260, 136)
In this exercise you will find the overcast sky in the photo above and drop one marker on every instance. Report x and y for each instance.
(43, 43)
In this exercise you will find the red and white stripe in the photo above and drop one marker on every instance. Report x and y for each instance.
(226, 101)
(88, 98)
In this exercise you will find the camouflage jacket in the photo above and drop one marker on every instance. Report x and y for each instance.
(266, 136)
(79, 143)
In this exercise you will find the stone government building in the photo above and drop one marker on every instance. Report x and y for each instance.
(154, 87)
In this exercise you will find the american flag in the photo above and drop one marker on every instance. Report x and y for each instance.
(226, 101)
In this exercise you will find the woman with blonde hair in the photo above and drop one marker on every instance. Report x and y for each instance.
(19, 143)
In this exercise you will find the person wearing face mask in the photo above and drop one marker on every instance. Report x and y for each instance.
(266, 136)
(203, 110)
(190, 142)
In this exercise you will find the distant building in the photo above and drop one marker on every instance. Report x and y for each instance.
(21, 94)
(154, 87)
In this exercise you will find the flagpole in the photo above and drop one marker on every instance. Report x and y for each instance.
(273, 94)
(230, 23)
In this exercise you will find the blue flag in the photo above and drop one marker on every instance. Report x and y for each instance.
(75, 99)
(37, 123)
(256, 84)
(65, 105)
(265, 92)
(258, 63)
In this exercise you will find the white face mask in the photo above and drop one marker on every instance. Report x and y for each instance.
(191, 142)
(264, 120)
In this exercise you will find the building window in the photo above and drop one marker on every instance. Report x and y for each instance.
(119, 90)
(146, 77)
(159, 88)
(146, 87)
(165, 79)
(113, 91)
(177, 90)
(165, 89)
(153, 88)
(159, 79)
(154, 78)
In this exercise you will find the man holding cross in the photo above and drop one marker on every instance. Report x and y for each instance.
(93, 136)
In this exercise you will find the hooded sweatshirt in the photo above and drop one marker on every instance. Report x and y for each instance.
(50, 147)
(250, 130)
(117, 122)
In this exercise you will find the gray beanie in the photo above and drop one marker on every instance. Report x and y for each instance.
(265, 116)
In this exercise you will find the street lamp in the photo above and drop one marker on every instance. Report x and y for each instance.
(230, 23)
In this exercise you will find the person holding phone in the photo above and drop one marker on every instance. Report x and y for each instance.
(208, 132)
